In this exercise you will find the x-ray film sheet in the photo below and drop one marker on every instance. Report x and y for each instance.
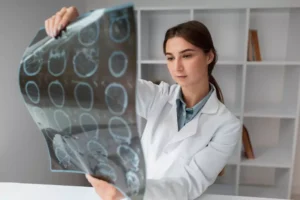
(80, 91)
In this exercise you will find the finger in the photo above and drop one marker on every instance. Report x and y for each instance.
(65, 20)
(88, 177)
(103, 189)
(92, 180)
(98, 183)
(58, 17)
(51, 25)
(70, 15)
(47, 27)
(96, 187)
(73, 10)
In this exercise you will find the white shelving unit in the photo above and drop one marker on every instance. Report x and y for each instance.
(264, 95)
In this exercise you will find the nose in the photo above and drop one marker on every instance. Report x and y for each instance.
(178, 66)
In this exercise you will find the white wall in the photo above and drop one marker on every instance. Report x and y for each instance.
(23, 156)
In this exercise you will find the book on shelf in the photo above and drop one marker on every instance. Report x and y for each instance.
(254, 53)
(248, 150)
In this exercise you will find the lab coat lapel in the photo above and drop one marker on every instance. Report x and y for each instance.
(168, 154)
(186, 131)
(191, 128)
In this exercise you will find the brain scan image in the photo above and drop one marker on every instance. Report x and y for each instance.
(80, 91)
(84, 96)
(57, 62)
(56, 93)
(89, 35)
(32, 64)
(118, 63)
(85, 62)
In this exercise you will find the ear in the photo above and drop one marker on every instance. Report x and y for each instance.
(210, 57)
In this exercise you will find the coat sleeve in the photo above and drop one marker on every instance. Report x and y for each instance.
(145, 96)
(195, 177)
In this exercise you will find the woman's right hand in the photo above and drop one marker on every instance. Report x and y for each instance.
(55, 24)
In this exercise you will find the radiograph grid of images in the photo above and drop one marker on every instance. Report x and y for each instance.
(85, 64)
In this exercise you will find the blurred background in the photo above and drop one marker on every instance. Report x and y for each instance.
(261, 87)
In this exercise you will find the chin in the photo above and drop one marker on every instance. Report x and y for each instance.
(182, 83)
(186, 83)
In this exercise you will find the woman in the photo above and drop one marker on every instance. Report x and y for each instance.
(190, 134)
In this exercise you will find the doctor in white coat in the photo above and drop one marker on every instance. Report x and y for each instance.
(190, 134)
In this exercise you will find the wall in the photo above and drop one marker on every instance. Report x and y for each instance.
(23, 156)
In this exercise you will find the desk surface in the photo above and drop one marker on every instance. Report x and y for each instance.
(17, 191)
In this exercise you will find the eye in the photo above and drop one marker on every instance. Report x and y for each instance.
(187, 55)
(170, 58)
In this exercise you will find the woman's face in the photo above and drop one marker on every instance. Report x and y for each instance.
(187, 63)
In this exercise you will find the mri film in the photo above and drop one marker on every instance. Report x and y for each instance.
(80, 91)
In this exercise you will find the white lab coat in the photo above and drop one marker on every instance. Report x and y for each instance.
(181, 165)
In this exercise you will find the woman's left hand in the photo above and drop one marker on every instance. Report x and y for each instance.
(105, 190)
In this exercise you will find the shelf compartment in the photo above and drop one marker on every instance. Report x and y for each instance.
(275, 110)
(154, 25)
(229, 24)
(221, 189)
(280, 41)
(235, 157)
(156, 72)
(226, 184)
(264, 182)
(272, 141)
(270, 157)
(293, 43)
(229, 78)
(271, 91)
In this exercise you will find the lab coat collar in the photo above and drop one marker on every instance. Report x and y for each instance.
(190, 129)
(210, 107)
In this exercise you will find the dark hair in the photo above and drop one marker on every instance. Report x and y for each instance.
(197, 34)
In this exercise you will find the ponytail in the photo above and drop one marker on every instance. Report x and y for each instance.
(213, 81)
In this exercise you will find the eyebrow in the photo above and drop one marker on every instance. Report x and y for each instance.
(183, 51)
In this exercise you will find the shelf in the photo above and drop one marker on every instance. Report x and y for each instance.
(221, 189)
(154, 25)
(293, 35)
(263, 191)
(271, 91)
(270, 110)
(234, 159)
(272, 141)
(278, 30)
(264, 182)
(226, 184)
(154, 62)
(229, 24)
(273, 63)
(230, 82)
(156, 72)
(264, 94)
(270, 157)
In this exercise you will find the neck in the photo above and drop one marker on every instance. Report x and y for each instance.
(195, 93)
